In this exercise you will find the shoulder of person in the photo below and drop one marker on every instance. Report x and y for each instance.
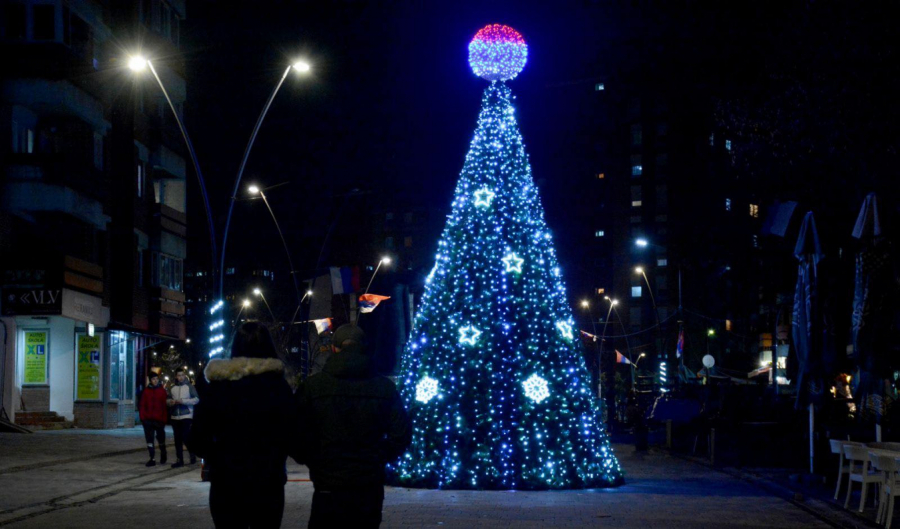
(233, 369)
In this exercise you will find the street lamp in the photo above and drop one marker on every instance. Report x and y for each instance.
(384, 261)
(256, 190)
(641, 243)
(244, 305)
(587, 305)
(300, 67)
(137, 64)
(636, 362)
(612, 307)
(259, 293)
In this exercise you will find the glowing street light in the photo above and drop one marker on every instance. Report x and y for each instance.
(137, 63)
(642, 243)
(301, 67)
(384, 261)
(254, 190)
(585, 304)
(246, 303)
(259, 293)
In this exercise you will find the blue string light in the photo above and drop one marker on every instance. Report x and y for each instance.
(495, 383)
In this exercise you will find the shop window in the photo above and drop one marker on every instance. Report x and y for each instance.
(121, 366)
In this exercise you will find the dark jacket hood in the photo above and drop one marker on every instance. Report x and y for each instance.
(241, 367)
(349, 363)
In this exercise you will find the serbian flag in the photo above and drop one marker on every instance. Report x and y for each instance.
(368, 302)
(622, 359)
(322, 325)
(344, 280)
(679, 347)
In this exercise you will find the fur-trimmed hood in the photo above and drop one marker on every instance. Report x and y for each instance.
(238, 368)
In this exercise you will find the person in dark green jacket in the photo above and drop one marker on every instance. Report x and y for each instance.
(354, 424)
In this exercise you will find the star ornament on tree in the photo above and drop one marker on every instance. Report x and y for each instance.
(426, 389)
(513, 263)
(469, 334)
(536, 388)
(483, 197)
(565, 329)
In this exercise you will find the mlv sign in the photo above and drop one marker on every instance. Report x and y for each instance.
(21, 301)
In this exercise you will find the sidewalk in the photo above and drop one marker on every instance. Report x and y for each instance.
(97, 479)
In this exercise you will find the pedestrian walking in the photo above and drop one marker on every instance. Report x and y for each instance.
(354, 423)
(153, 412)
(244, 430)
(182, 399)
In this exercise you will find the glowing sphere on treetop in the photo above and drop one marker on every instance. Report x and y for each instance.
(497, 53)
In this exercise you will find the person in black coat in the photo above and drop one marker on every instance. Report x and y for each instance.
(354, 423)
(244, 428)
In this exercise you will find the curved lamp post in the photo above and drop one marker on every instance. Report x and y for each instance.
(300, 67)
(138, 63)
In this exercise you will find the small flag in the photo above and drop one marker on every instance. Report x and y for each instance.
(344, 280)
(622, 359)
(322, 325)
(679, 348)
(368, 302)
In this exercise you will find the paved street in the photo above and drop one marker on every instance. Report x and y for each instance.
(97, 479)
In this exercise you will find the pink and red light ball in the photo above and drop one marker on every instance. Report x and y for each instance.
(497, 53)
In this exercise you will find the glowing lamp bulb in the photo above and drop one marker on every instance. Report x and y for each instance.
(253, 190)
(301, 66)
(257, 291)
(641, 243)
(497, 53)
(246, 303)
(386, 260)
(639, 270)
(137, 63)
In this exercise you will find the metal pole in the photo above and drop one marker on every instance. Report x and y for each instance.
(286, 250)
(190, 147)
(373, 276)
(240, 174)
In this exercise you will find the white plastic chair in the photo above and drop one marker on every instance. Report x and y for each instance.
(837, 447)
(890, 484)
(860, 472)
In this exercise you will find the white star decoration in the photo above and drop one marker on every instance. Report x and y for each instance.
(565, 329)
(513, 263)
(426, 389)
(483, 197)
(468, 334)
(536, 388)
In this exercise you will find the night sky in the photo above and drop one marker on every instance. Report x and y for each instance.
(391, 105)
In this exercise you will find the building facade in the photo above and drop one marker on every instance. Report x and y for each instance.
(93, 225)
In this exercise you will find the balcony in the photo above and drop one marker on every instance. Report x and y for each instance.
(72, 170)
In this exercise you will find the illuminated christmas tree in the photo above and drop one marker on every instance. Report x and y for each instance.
(493, 374)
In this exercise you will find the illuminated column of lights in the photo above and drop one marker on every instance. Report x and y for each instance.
(493, 374)
(216, 329)
(663, 377)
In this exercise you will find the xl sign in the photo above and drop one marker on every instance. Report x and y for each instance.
(19, 301)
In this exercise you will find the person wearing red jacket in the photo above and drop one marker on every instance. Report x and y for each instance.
(153, 413)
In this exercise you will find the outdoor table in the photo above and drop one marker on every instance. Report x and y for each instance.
(893, 447)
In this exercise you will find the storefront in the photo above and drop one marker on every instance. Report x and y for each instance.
(60, 360)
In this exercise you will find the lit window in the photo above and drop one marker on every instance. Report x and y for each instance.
(727, 204)
(599, 233)
(599, 87)
(662, 262)
(601, 176)
(727, 145)
(601, 291)
(636, 203)
(635, 292)
(229, 271)
(754, 210)
(637, 167)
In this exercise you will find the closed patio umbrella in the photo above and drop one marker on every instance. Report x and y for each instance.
(872, 308)
(807, 324)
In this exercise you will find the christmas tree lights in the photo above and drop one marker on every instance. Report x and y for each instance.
(494, 381)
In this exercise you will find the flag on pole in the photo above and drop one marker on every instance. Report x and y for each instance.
(679, 347)
(344, 280)
(622, 359)
(368, 302)
(322, 325)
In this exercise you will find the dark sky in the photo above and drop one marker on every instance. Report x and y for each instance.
(391, 104)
